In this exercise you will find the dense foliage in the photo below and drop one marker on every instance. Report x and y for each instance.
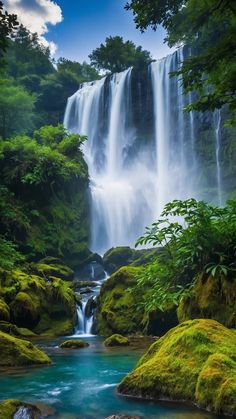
(43, 195)
(209, 29)
(195, 237)
(8, 23)
(116, 55)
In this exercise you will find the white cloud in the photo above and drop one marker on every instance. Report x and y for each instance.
(36, 15)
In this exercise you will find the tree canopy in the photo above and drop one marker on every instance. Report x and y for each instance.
(8, 23)
(117, 55)
(209, 28)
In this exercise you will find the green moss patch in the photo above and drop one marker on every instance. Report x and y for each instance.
(4, 311)
(18, 352)
(74, 344)
(116, 340)
(194, 361)
(211, 297)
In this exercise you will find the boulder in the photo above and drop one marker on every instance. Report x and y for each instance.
(117, 340)
(74, 344)
(15, 409)
(17, 352)
(194, 361)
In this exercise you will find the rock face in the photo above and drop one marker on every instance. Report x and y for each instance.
(195, 361)
(17, 352)
(212, 297)
(117, 340)
(74, 344)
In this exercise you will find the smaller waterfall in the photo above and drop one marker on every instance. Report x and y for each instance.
(217, 127)
(87, 306)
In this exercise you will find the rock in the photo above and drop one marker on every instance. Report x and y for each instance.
(116, 257)
(194, 361)
(17, 352)
(4, 311)
(211, 297)
(86, 290)
(15, 409)
(57, 269)
(12, 329)
(83, 284)
(116, 310)
(116, 340)
(46, 307)
(74, 344)
(90, 307)
(123, 417)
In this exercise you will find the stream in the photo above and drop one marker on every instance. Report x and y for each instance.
(81, 384)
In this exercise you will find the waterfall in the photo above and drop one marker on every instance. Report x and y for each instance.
(142, 149)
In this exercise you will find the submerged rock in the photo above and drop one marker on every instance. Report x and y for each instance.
(74, 344)
(15, 409)
(116, 340)
(195, 361)
(17, 352)
(123, 417)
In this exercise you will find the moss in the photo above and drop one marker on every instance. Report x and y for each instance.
(18, 352)
(116, 340)
(211, 297)
(116, 311)
(40, 304)
(9, 407)
(51, 327)
(74, 344)
(12, 329)
(24, 310)
(4, 311)
(194, 361)
(59, 269)
(116, 257)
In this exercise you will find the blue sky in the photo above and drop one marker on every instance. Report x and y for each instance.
(88, 22)
(73, 28)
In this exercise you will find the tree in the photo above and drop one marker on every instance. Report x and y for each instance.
(208, 27)
(8, 23)
(16, 109)
(116, 55)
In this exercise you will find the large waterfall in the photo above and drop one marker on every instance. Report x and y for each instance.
(142, 149)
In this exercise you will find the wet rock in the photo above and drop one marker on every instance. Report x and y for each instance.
(123, 417)
(117, 340)
(90, 307)
(74, 344)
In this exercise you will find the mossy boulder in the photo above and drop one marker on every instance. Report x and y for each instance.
(44, 305)
(4, 311)
(8, 408)
(18, 352)
(212, 297)
(116, 257)
(25, 311)
(57, 269)
(116, 309)
(74, 344)
(117, 340)
(12, 329)
(195, 361)
(120, 311)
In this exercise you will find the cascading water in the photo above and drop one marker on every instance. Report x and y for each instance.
(141, 150)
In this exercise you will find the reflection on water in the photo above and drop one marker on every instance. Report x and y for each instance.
(82, 383)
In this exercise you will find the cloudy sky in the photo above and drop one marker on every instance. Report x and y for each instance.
(73, 28)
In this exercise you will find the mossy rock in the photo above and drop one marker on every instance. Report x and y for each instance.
(74, 344)
(12, 329)
(43, 306)
(17, 352)
(117, 340)
(211, 297)
(116, 257)
(59, 270)
(8, 408)
(195, 361)
(116, 309)
(4, 311)
(25, 311)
